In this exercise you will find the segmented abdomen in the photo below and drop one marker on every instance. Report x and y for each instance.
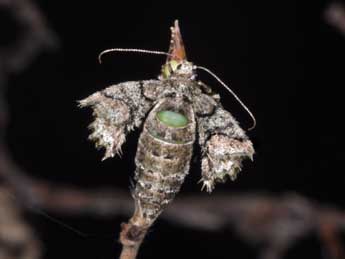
(163, 156)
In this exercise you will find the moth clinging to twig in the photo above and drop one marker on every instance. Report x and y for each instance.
(176, 110)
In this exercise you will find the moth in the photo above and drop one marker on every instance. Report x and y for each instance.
(175, 110)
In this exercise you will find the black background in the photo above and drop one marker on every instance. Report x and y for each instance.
(281, 57)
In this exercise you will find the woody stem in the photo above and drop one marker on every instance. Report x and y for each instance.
(131, 237)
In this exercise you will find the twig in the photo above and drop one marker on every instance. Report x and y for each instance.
(275, 223)
(17, 240)
(131, 237)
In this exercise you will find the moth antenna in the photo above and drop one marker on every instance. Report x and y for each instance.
(232, 92)
(155, 52)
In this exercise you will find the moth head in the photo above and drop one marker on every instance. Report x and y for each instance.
(173, 69)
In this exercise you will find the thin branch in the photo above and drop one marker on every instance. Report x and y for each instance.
(131, 237)
(276, 223)
(17, 240)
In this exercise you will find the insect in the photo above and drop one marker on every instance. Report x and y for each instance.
(176, 110)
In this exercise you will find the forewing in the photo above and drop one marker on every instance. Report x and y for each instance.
(117, 110)
(223, 142)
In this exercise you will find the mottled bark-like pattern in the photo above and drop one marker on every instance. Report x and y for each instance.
(162, 159)
(117, 109)
(164, 152)
(178, 109)
(224, 145)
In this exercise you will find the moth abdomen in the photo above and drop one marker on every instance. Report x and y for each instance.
(164, 152)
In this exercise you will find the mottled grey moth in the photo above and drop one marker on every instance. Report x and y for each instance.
(176, 108)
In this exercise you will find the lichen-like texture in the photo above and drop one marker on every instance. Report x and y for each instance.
(164, 151)
(117, 110)
(177, 110)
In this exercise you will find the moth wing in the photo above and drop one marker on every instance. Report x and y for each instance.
(223, 142)
(117, 110)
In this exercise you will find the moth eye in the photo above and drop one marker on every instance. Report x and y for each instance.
(179, 66)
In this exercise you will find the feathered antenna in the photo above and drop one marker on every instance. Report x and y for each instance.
(154, 52)
(232, 92)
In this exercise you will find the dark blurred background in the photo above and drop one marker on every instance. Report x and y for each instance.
(281, 57)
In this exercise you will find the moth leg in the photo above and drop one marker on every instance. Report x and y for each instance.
(117, 110)
(224, 145)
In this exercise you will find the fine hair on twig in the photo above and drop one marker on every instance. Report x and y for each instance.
(232, 92)
(154, 52)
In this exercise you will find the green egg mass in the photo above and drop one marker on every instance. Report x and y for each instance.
(172, 119)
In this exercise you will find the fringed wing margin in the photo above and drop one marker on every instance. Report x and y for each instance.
(224, 144)
(117, 110)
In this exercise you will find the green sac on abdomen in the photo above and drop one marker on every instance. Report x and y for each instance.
(172, 119)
